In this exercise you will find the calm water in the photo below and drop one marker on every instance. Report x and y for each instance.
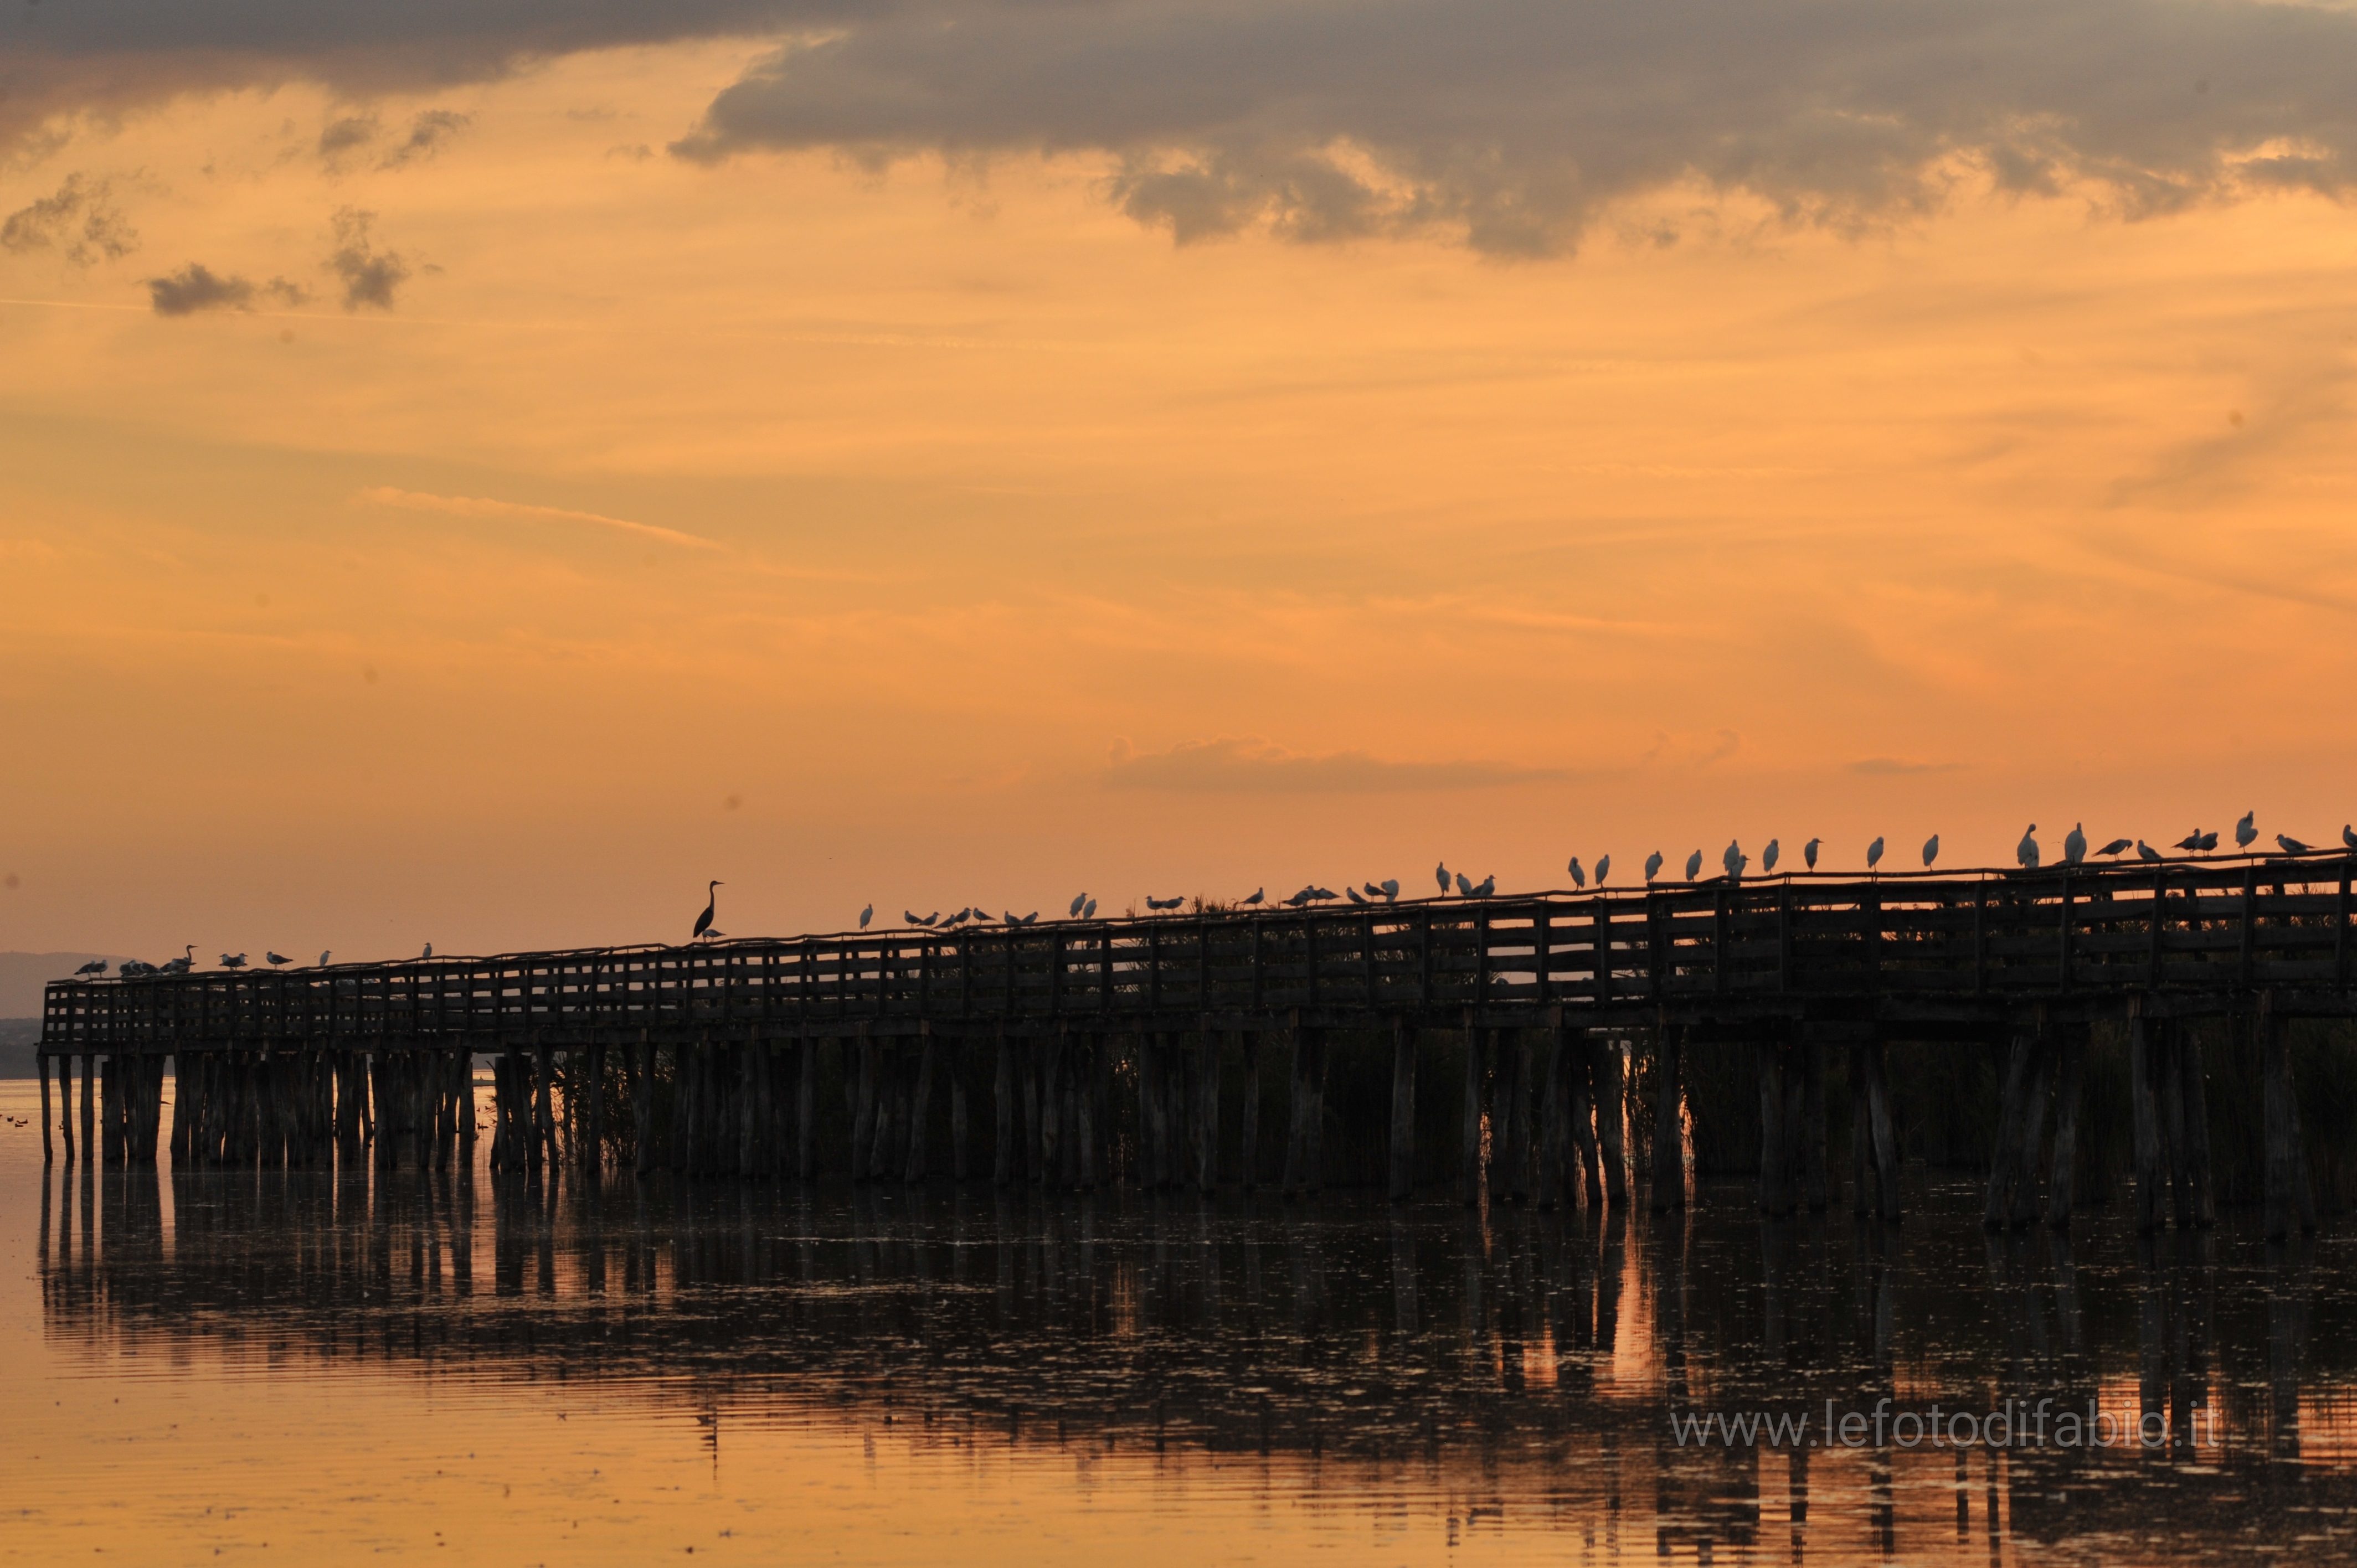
(293, 1366)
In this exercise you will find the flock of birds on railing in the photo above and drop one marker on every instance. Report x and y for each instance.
(1733, 862)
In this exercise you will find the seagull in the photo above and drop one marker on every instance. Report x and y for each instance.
(2190, 842)
(1874, 853)
(2074, 844)
(2209, 842)
(1078, 899)
(1295, 902)
(2026, 851)
(2291, 845)
(1089, 910)
(1154, 903)
(276, 959)
(981, 917)
(1390, 885)
(95, 966)
(229, 960)
(1464, 886)
(1482, 889)
(325, 954)
(1356, 896)
(1316, 891)
(1767, 856)
(2117, 846)
(1930, 851)
(1653, 865)
(1809, 852)
(1258, 894)
(429, 948)
(2348, 836)
(2244, 830)
(2145, 852)
(1016, 919)
(1579, 878)
(1440, 872)
(867, 915)
(1733, 860)
(913, 919)
(1693, 865)
(1603, 868)
(703, 921)
(182, 964)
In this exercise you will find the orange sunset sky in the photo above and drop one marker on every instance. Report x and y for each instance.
(473, 473)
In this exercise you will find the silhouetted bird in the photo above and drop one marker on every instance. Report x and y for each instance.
(1653, 865)
(2146, 851)
(1440, 874)
(981, 917)
(2190, 842)
(1258, 894)
(1733, 860)
(867, 915)
(2074, 844)
(325, 954)
(2026, 851)
(913, 919)
(1579, 878)
(1464, 886)
(1319, 891)
(1154, 903)
(1767, 856)
(2209, 842)
(2348, 836)
(1078, 899)
(2246, 830)
(95, 966)
(1298, 900)
(2291, 845)
(1693, 865)
(1484, 888)
(2117, 846)
(428, 952)
(703, 921)
(1014, 919)
(1809, 852)
(1930, 851)
(232, 960)
(1874, 853)
(276, 959)
(1089, 910)
(1603, 868)
(1356, 896)
(1390, 885)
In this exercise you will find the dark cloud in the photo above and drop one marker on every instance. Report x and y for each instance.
(427, 134)
(196, 288)
(369, 275)
(77, 221)
(1509, 122)
(1224, 765)
(63, 59)
(344, 135)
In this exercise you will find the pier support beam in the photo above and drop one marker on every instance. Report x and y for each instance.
(2013, 1115)
(1249, 1154)
(1002, 1105)
(1775, 1155)
(1477, 1042)
(2144, 1113)
(1669, 1183)
(1402, 1150)
(2196, 1093)
(2290, 1201)
(1814, 1178)
(1581, 1053)
(2062, 1185)
(1883, 1126)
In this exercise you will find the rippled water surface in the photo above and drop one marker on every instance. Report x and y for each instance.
(302, 1365)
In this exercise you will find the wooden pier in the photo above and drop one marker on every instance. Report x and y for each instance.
(708, 1058)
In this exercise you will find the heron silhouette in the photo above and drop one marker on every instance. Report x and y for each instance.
(867, 915)
(703, 921)
(1930, 851)
(1809, 852)
(1874, 853)
(1579, 878)
(2026, 852)
(1653, 865)
(1767, 856)
(1603, 868)
(1693, 865)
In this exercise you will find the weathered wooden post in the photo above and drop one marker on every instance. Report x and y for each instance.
(1768, 1060)
(1249, 1155)
(89, 1108)
(1815, 1180)
(1085, 1077)
(1477, 1042)
(2197, 1129)
(1669, 1176)
(2060, 1186)
(2032, 1129)
(1512, 1100)
(543, 1139)
(2289, 1201)
(2013, 1111)
(1002, 1105)
(1582, 1047)
(1402, 1152)
(49, 1151)
(863, 1116)
(1552, 1129)
(1313, 1116)
(921, 1113)
(1207, 1114)
(1882, 1124)
(2144, 1110)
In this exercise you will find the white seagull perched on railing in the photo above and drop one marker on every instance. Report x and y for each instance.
(865, 916)
(1734, 860)
(95, 966)
(2117, 846)
(2074, 844)
(1355, 896)
(325, 954)
(276, 959)
(1767, 856)
(1440, 875)
(232, 960)
(1258, 894)
(2145, 852)
(1693, 865)
(1603, 868)
(2349, 834)
(1874, 853)
(2289, 844)
(2246, 830)
(1484, 889)
(2026, 852)
(1078, 899)
(1579, 878)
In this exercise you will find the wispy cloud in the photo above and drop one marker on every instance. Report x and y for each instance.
(1899, 766)
(1251, 764)
(518, 512)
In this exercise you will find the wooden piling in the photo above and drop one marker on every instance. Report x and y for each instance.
(2168, 1085)
(1669, 1178)
(48, 1150)
(863, 1116)
(2144, 1113)
(1477, 1042)
(2196, 1094)
(1207, 1114)
(920, 1113)
(1002, 1101)
(1313, 1123)
(806, 1110)
(1403, 1140)
(1249, 1156)
(1768, 1061)
(2060, 1185)
(1513, 1099)
(64, 1065)
(1581, 1055)
(2004, 1159)
(1028, 1093)
(1814, 1177)
(1084, 1100)
(2290, 1201)
(1885, 1129)
(543, 1141)
(2032, 1130)
(89, 1108)
(1552, 1129)
(1861, 1138)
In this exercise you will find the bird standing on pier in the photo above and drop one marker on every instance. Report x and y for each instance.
(1014, 919)
(1694, 866)
(703, 921)
(276, 959)
(2074, 844)
(1653, 865)
(913, 918)
(2246, 830)
(2117, 846)
(2191, 841)
(428, 952)
(232, 960)
(2348, 836)
(2026, 851)
(1078, 899)
(2291, 845)
(1603, 868)
(1464, 886)
(1296, 902)
(1154, 903)
(1809, 852)
(2209, 842)
(1355, 896)
(1874, 853)
(2145, 852)
(95, 966)
(1578, 876)
(1258, 894)
(1482, 889)
(1440, 875)
(1390, 885)
(1767, 856)
(325, 954)
(867, 915)
(1930, 851)
(1734, 860)
(1089, 910)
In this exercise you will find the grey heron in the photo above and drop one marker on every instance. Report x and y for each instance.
(1578, 876)
(2026, 852)
(703, 921)
(1603, 868)
(1440, 874)
(1653, 865)
(1767, 856)
(1930, 851)
(1874, 853)
(1809, 852)
(867, 915)
(1693, 865)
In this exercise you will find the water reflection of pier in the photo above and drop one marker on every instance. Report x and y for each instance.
(1512, 1353)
